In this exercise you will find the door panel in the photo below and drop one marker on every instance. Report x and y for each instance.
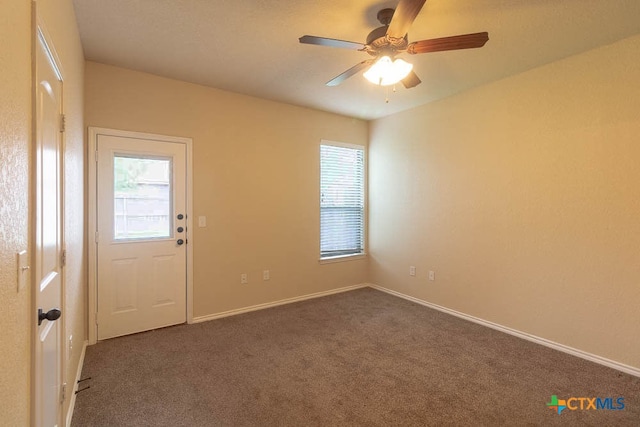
(48, 270)
(141, 191)
(163, 279)
(125, 283)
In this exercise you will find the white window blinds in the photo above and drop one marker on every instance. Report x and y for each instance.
(341, 200)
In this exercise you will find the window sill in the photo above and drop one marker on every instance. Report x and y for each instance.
(342, 258)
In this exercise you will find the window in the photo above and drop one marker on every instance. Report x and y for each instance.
(341, 200)
(142, 202)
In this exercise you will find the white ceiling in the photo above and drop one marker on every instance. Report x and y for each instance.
(252, 47)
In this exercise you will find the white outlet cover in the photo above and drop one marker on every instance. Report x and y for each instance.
(202, 221)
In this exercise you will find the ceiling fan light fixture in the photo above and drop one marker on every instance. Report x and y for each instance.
(386, 72)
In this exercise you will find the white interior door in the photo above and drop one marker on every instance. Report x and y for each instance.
(47, 249)
(142, 235)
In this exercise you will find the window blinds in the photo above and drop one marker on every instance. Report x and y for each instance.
(341, 200)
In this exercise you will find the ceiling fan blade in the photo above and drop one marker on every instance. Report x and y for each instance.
(403, 17)
(350, 72)
(322, 41)
(412, 80)
(465, 41)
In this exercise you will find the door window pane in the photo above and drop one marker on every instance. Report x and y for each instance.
(142, 198)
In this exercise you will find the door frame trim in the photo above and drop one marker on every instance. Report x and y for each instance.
(92, 224)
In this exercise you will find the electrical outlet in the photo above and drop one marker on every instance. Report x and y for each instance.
(412, 271)
(265, 275)
(432, 276)
(243, 279)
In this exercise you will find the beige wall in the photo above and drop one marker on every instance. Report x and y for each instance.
(15, 138)
(523, 196)
(15, 157)
(255, 174)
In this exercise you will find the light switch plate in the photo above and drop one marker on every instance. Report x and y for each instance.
(202, 221)
(23, 269)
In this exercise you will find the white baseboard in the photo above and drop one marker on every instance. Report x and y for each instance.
(72, 404)
(545, 342)
(275, 303)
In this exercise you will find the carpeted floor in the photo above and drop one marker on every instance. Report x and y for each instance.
(361, 358)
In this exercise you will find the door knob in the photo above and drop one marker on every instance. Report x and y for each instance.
(180, 216)
(180, 241)
(51, 315)
(180, 229)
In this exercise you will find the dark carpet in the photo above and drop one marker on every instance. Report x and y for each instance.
(361, 358)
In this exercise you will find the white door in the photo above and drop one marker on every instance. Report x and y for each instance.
(142, 235)
(47, 249)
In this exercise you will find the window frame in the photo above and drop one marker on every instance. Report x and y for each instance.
(352, 256)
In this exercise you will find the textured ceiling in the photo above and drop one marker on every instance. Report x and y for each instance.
(251, 47)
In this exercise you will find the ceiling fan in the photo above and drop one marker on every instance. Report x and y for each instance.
(385, 42)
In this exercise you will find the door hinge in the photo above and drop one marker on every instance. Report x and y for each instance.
(96, 319)
(96, 157)
(63, 258)
(97, 235)
(63, 392)
(62, 123)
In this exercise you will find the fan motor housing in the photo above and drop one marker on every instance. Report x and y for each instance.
(378, 41)
(377, 34)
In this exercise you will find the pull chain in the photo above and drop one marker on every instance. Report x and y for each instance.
(386, 99)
